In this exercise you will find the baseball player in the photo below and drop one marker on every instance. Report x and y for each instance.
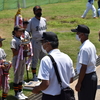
(37, 25)
(98, 10)
(86, 85)
(26, 34)
(18, 62)
(4, 71)
(89, 6)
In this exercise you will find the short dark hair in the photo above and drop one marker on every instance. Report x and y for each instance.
(17, 28)
(55, 44)
(86, 35)
(37, 7)
(13, 33)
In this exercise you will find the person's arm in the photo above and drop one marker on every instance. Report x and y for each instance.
(28, 29)
(99, 35)
(81, 77)
(15, 52)
(71, 80)
(13, 47)
(42, 86)
(73, 72)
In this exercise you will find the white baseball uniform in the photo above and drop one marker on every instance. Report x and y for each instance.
(2, 54)
(89, 6)
(36, 28)
(18, 76)
(3, 57)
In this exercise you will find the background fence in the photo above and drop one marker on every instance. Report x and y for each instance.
(13, 4)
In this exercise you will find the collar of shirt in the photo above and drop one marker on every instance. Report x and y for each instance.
(54, 50)
(16, 38)
(84, 43)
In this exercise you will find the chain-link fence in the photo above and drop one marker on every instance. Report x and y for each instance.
(13, 4)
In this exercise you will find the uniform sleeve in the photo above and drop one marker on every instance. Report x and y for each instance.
(43, 71)
(28, 29)
(13, 44)
(45, 22)
(83, 57)
(2, 54)
(27, 36)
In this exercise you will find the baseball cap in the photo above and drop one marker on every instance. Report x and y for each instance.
(81, 28)
(37, 8)
(18, 28)
(49, 36)
(1, 39)
(25, 22)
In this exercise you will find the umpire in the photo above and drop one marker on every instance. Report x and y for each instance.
(86, 65)
(49, 84)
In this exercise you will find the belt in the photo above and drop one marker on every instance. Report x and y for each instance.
(51, 95)
(91, 3)
(90, 73)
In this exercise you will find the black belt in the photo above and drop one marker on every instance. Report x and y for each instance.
(51, 95)
(90, 73)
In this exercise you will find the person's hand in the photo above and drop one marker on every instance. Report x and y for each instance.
(25, 47)
(35, 90)
(2, 66)
(78, 87)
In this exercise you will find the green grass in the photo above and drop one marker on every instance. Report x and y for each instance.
(61, 17)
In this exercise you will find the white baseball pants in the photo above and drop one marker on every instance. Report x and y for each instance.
(89, 6)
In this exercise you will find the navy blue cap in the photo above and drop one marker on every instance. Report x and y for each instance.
(82, 29)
